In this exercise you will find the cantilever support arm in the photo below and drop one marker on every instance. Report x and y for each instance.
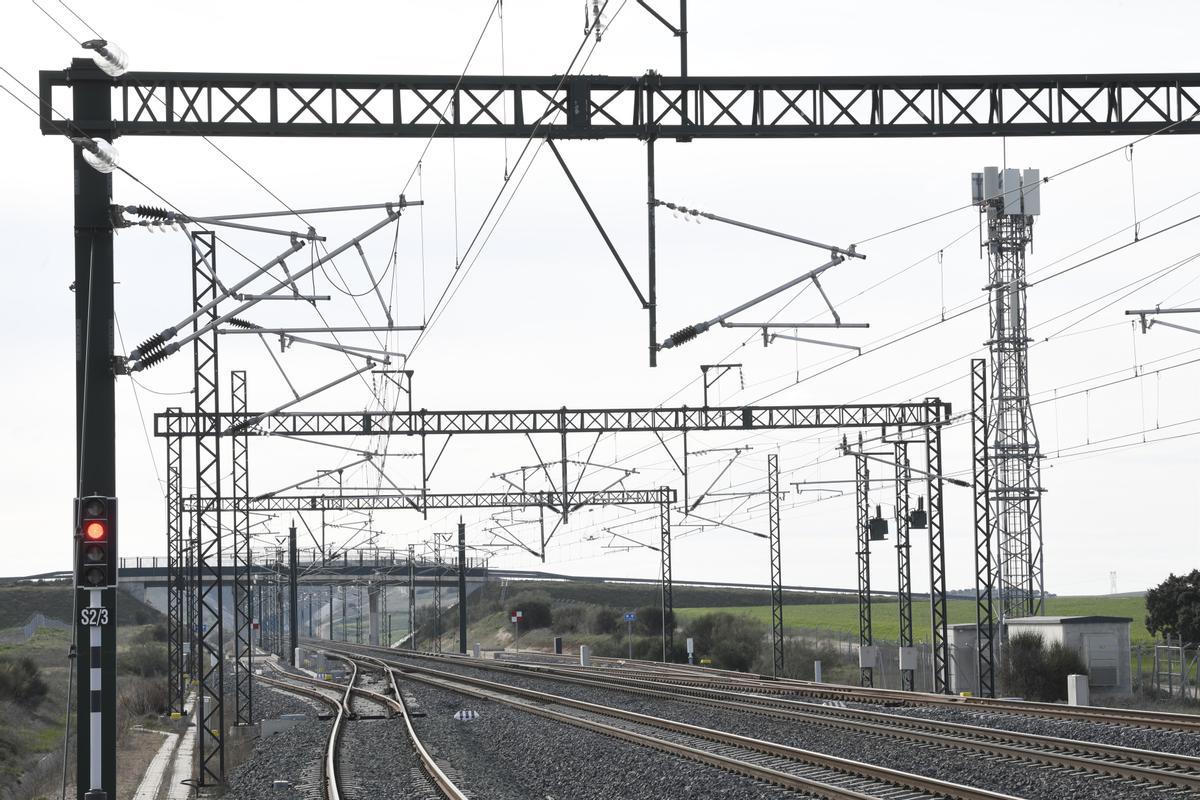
(138, 356)
(596, 221)
(690, 332)
(848, 252)
(1144, 315)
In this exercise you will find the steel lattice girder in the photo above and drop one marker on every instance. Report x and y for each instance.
(776, 564)
(635, 107)
(384, 502)
(560, 421)
(862, 482)
(985, 613)
(667, 586)
(243, 614)
(903, 557)
(937, 562)
(209, 604)
(178, 579)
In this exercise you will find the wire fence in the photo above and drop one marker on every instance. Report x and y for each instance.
(37, 621)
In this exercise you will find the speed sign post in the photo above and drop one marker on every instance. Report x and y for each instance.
(516, 617)
(630, 617)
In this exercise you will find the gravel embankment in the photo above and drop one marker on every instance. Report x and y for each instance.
(293, 755)
(1187, 744)
(508, 754)
(1019, 779)
(271, 703)
(378, 762)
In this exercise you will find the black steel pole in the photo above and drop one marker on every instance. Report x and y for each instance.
(651, 256)
(462, 587)
(95, 429)
(293, 598)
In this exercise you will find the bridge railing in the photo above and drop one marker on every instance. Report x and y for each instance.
(367, 558)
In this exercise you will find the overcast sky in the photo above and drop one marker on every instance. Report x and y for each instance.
(540, 316)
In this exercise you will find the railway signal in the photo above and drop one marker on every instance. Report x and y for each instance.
(96, 543)
(95, 582)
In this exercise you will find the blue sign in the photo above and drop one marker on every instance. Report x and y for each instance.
(630, 616)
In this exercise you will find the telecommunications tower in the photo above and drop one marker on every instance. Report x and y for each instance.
(1008, 200)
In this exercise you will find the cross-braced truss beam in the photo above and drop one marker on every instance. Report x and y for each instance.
(636, 107)
(560, 421)
(400, 501)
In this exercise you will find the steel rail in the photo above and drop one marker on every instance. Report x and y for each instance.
(332, 778)
(436, 775)
(537, 703)
(382, 699)
(1157, 720)
(1169, 769)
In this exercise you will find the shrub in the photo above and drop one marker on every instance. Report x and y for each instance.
(147, 660)
(732, 642)
(21, 682)
(536, 608)
(139, 697)
(649, 621)
(152, 633)
(1034, 671)
(570, 619)
(604, 620)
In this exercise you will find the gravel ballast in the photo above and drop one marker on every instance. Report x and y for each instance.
(1187, 744)
(509, 754)
(1019, 779)
(293, 755)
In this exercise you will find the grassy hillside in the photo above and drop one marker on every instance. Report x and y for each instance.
(18, 601)
(843, 617)
(633, 595)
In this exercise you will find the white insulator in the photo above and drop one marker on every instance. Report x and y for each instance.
(101, 155)
(108, 57)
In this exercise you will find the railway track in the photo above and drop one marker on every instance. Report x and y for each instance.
(738, 681)
(1113, 761)
(342, 698)
(813, 774)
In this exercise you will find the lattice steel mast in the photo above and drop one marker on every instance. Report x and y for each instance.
(1009, 200)
(776, 565)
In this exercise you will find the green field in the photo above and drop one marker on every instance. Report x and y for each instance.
(885, 616)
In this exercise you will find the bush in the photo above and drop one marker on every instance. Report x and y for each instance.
(536, 608)
(21, 682)
(147, 660)
(732, 642)
(1034, 671)
(151, 633)
(649, 621)
(139, 697)
(571, 619)
(604, 620)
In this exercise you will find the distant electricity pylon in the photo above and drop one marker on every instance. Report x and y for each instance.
(1112, 582)
(1009, 199)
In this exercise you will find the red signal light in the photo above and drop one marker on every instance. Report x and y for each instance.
(94, 530)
